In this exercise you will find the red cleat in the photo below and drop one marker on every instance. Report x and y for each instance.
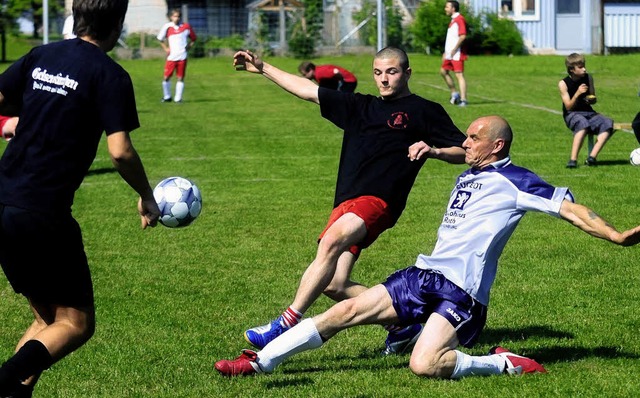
(244, 365)
(516, 364)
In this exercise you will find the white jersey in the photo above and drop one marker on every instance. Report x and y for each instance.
(484, 210)
(178, 37)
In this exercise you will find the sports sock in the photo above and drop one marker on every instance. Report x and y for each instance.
(31, 359)
(179, 91)
(468, 365)
(166, 89)
(301, 338)
(291, 317)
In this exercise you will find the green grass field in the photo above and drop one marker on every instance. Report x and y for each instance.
(170, 302)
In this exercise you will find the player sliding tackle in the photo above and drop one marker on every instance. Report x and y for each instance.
(449, 289)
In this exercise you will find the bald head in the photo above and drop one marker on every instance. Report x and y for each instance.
(495, 127)
(488, 140)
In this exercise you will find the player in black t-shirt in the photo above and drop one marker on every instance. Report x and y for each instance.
(375, 176)
(68, 93)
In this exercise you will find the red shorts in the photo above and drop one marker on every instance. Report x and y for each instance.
(372, 210)
(180, 67)
(456, 66)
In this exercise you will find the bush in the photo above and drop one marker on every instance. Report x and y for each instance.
(486, 32)
(502, 36)
(213, 44)
(134, 40)
(396, 35)
(305, 33)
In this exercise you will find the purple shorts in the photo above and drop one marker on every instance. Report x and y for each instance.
(417, 293)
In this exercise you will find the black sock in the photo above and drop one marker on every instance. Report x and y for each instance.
(31, 359)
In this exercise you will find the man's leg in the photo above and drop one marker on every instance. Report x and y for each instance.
(635, 125)
(342, 234)
(462, 84)
(435, 356)
(455, 96)
(56, 332)
(341, 286)
(371, 307)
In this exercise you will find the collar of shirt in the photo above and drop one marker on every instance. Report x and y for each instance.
(455, 14)
(501, 163)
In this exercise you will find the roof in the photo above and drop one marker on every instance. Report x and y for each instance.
(274, 5)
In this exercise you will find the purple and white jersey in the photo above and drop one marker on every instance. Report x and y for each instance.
(484, 210)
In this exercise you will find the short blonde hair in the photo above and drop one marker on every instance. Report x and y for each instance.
(574, 60)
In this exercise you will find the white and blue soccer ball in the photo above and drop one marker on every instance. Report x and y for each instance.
(179, 201)
(634, 157)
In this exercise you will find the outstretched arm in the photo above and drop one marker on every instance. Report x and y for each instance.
(299, 86)
(452, 154)
(591, 223)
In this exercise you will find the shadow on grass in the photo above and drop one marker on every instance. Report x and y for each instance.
(373, 360)
(612, 162)
(102, 170)
(497, 336)
(563, 354)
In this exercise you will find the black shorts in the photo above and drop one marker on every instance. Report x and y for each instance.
(43, 257)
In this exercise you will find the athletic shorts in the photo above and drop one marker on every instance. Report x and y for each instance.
(450, 64)
(417, 293)
(179, 67)
(43, 257)
(375, 213)
(595, 123)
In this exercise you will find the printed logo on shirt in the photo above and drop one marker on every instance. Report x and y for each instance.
(461, 199)
(57, 84)
(399, 120)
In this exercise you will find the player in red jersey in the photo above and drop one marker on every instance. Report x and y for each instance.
(176, 38)
(329, 76)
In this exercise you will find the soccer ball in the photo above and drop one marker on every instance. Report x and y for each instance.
(634, 157)
(179, 201)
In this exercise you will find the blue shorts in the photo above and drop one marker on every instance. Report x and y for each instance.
(593, 122)
(43, 257)
(417, 293)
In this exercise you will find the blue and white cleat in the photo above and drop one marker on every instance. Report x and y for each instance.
(260, 336)
(403, 341)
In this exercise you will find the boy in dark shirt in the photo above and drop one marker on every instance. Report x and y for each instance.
(578, 93)
(68, 93)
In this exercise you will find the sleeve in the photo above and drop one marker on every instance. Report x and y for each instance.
(442, 132)
(462, 26)
(12, 83)
(163, 33)
(535, 194)
(192, 33)
(336, 106)
(118, 105)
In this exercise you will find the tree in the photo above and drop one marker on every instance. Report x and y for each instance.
(13, 9)
(305, 33)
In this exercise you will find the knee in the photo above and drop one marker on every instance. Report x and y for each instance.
(331, 244)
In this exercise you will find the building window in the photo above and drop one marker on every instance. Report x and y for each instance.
(520, 10)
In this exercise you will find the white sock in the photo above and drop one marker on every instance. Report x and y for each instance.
(166, 89)
(468, 365)
(179, 91)
(302, 337)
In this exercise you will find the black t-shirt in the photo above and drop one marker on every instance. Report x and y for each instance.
(377, 136)
(68, 93)
(572, 86)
